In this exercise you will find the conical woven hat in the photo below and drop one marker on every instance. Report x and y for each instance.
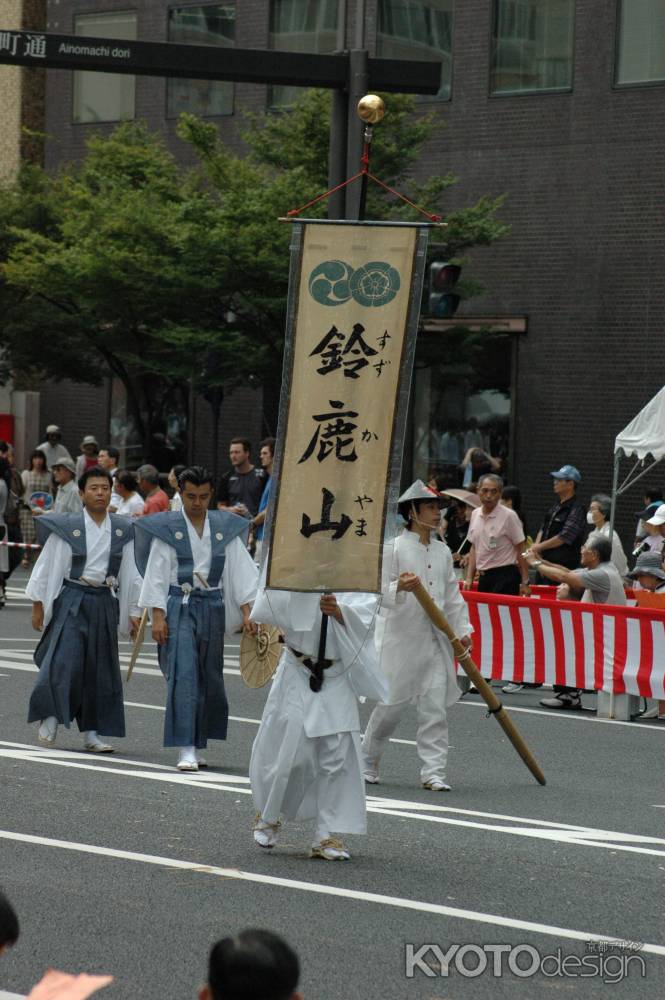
(418, 491)
(259, 655)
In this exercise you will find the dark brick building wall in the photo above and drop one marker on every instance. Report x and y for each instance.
(585, 261)
(583, 174)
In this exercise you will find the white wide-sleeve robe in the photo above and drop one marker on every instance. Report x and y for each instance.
(301, 729)
(415, 656)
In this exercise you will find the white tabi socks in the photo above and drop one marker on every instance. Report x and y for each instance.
(92, 742)
(187, 759)
(48, 731)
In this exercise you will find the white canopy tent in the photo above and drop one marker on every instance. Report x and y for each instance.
(643, 438)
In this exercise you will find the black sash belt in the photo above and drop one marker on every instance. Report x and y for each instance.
(315, 668)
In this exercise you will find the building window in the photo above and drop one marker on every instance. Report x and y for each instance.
(532, 46)
(202, 24)
(300, 26)
(418, 29)
(104, 97)
(461, 405)
(641, 49)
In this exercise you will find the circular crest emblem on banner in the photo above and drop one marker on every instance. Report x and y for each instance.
(329, 283)
(374, 284)
(333, 283)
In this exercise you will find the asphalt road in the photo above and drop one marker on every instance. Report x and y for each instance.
(124, 866)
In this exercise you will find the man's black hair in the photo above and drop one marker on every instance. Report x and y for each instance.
(197, 475)
(9, 928)
(111, 451)
(95, 472)
(653, 493)
(268, 443)
(253, 965)
(128, 480)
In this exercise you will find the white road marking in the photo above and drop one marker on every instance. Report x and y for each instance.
(534, 829)
(397, 902)
(560, 836)
(573, 716)
(82, 755)
(160, 708)
(146, 671)
(197, 780)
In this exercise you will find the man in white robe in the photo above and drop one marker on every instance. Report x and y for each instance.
(198, 582)
(85, 559)
(305, 761)
(415, 657)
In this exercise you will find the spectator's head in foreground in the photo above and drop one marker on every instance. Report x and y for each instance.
(9, 929)
(595, 551)
(253, 965)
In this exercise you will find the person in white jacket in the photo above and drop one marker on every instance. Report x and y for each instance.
(415, 657)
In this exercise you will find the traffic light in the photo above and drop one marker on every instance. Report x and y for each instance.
(442, 300)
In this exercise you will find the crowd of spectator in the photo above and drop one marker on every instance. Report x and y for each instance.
(50, 483)
(574, 548)
(483, 524)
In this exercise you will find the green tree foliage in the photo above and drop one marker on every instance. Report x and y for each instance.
(129, 265)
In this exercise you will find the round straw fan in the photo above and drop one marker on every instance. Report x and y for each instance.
(259, 655)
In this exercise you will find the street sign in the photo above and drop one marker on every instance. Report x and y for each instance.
(210, 62)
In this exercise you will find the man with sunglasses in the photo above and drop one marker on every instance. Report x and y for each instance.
(497, 542)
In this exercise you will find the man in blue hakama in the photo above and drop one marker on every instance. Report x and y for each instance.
(198, 582)
(84, 588)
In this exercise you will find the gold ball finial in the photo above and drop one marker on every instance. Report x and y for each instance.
(371, 109)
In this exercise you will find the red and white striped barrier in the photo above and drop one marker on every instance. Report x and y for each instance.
(592, 646)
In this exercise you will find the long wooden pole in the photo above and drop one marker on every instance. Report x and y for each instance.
(138, 642)
(494, 705)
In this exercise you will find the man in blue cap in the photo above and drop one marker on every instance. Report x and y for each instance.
(560, 541)
(564, 527)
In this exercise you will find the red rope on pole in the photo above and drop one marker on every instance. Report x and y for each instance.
(326, 194)
(386, 187)
(364, 171)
